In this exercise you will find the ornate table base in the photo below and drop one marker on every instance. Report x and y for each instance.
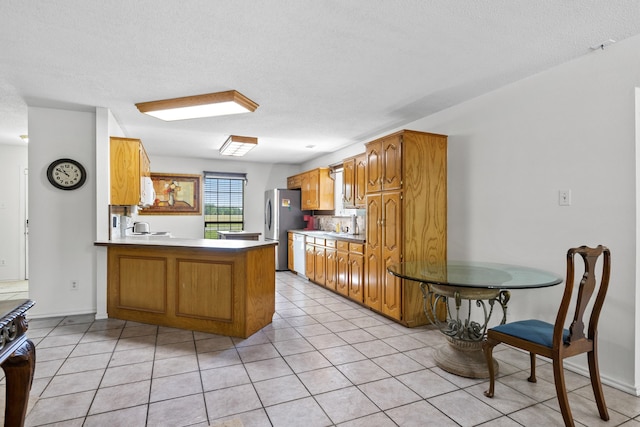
(463, 355)
(464, 358)
(17, 358)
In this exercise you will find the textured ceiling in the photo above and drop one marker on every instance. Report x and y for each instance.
(326, 73)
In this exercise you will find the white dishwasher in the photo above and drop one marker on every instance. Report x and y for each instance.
(299, 253)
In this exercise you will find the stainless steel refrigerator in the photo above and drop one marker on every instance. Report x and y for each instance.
(281, 214)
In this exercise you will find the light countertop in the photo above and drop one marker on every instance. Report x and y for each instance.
(356, 238)
(207, 244)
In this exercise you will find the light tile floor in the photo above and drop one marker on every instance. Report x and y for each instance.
(323, 361)
(14, 290)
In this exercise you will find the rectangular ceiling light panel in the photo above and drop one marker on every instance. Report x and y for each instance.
(198, 106)
(238, 145)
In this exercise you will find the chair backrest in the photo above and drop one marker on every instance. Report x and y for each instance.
(588, 284)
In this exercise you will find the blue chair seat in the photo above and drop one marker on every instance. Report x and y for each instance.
(533, 330)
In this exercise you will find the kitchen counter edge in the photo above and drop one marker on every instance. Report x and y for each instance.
(207, 244)
(356, 238)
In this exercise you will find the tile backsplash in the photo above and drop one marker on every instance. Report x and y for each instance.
(329, 222)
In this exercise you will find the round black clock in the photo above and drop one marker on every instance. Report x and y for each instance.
(66, 174)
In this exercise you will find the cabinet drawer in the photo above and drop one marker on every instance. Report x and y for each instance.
(356, 247)
(319, 242)
(311, 240)
(342, 245)
(330, 243)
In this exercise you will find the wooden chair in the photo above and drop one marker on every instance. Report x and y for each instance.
(555, 342)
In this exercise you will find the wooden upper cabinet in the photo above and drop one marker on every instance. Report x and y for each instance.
(128, 164)
(354, 187)
(294, 182)
(392, 162)
(348, 182)
(384, 164)
(374, 166)
(317, 190)
(360, 186)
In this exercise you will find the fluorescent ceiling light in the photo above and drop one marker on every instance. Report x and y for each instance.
(238, 145)
(198, 106)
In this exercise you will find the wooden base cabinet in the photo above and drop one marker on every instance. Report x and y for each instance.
(350, 270)
(406, 206)
(342, 268)
(384, 236)
(310, 259)
(331, 265)
(290, 252)
(217, 291)
(356, 272)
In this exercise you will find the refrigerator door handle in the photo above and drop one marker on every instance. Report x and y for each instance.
(268, 214)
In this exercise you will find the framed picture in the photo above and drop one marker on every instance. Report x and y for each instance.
(176, 194)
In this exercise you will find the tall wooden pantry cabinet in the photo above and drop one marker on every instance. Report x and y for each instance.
(406, 202)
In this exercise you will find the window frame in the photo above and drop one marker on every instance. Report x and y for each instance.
(211, 228)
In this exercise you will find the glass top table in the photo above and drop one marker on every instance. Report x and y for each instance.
(470, 274)
(459, 297)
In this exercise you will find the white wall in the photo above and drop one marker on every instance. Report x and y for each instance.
(62, 223)
(260, 177)
(106, 126)
(510, 152)
(13, 163)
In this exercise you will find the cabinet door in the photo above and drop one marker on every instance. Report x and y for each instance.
(374, 167)
(309, 262)
(373, 251)
(125, 171)
(290, 253)
(319, 267)
(314, 189)
(392, 163)
(342, 266)
(348, 183)
(145, 164)
(305, 192)
(331, 266)
(360, 181)
(356, 276)
(391, 286)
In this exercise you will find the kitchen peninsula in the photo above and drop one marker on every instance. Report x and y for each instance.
(224, 287)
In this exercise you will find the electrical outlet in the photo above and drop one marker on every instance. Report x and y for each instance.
(75, 285)
(3, 262)
(564, 197)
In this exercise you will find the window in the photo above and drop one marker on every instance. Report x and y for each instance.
(223, 203)
(340, 210)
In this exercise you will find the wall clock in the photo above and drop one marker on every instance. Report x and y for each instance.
(66, 174)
